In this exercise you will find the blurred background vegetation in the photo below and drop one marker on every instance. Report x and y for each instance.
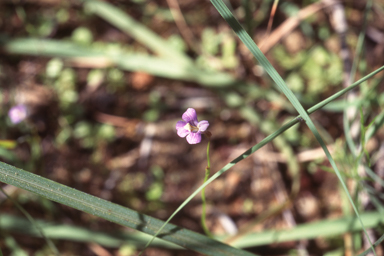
(104, 83)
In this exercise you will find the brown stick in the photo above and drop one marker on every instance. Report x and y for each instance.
(290, 24)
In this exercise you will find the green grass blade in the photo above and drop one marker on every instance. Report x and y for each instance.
(113, 212)
(360, 41)
(247, 40)
(374, 176)
(348, 137)
(13, 246)
(346, 125)
(366, 252)
(379, 121)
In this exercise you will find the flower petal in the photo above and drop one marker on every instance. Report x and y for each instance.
(17, 113)
(202, 125)
(182, 132)
(190, 116)
(180, 124)
(194, 138)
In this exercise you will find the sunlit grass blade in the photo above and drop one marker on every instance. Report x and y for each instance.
(57, 231)
(113, 212)
(324, 228)
(263, 143)
(121, 20)
(126, 61)
(13, 246)
(8, 144)
(247, 40)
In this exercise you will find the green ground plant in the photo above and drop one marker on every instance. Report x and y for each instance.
(212, 69)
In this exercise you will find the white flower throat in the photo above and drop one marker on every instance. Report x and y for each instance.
(191, 128)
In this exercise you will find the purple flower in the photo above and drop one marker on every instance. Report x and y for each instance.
(190, 127)
(17, 113)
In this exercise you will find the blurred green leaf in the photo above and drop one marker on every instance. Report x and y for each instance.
(7, 154)
(151, 115)
(95, 78)
(233, 99)
(62, 15)
(8, 144)
(63, 136)
(127, 250)
(115, 75)
(82, 36)
(295, 82)
(210, 41)
(54, 67)
(292, 135)
(229, 59)
(14, 247)
(286, 60)
(177, 42)
(82, 129)
(106, 132)
(154, 192)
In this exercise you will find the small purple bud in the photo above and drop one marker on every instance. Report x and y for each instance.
(17, 113)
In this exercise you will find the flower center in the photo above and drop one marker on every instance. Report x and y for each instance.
(191, 128)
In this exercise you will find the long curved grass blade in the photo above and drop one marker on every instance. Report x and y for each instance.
(262, 144)
(247, 40)
(113, 212)
(67, 232)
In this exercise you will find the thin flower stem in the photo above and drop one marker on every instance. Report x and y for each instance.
(208, 159)
(207, 173)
